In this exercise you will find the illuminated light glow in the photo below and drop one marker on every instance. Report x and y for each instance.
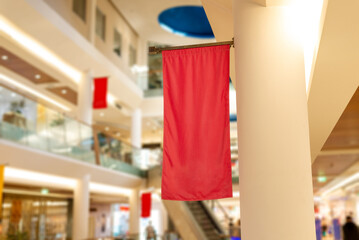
(103, 188)
(139, 69)
(4, 57)
(29, 176)
(341, 184)
(304, 22)
(322, 179)
(236, 194)
(37, 76)
(6, 205)
(111, 99)
(44, 191)
(317, 198)
(33, 92)
(51, 204)
(352, 186)
(156, 196)
(15, 174)
(107, 128)
(64, 91)
(40, 51)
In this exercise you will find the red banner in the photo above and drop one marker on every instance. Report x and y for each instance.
(100, 93)
(196, 143)
(146, 205)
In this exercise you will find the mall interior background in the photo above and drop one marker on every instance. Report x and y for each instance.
(72, 171)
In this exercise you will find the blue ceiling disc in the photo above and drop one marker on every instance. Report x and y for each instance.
(189, 21)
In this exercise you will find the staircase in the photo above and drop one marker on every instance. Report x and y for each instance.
(205, 220)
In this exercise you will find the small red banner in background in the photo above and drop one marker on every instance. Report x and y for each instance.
(146, 205)
(100, 93)
(196, 141)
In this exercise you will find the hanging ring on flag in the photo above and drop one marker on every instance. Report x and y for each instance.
(156, 50)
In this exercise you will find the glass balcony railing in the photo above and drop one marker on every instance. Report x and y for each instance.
(32, 124)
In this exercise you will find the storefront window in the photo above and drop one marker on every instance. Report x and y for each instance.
(35, 218)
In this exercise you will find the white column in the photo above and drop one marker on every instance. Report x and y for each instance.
(275, 178)
(134, 212)
(142, 62)
(136, 128)
(81, 208)
(92, 20)
(84, 97)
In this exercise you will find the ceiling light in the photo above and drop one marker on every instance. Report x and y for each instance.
(107, 128)
(39, 50)
(341, 184)
(118, 134)
(103, 188)
(64, 91)
(4, 57)
(18, 175)
(102, 114)
(30, 90)
(13, 94)
(37, 76)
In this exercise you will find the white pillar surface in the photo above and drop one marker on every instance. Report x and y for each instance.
(92, 20)
(275, 178)
(134, 212)
(84, 98)
(136, 128)
(81, 208)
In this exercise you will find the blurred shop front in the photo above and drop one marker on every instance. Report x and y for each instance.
(331, 212)
(35, 217)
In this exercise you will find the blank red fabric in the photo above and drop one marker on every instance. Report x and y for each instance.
(100, 93)
(196, 144)
(146, 205)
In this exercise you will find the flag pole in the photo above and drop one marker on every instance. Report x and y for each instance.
(157, 50)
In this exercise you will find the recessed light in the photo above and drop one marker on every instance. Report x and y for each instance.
(63, 91)
(4, 57)
(102, 114)
(37, 76)
(107, 128)
(13, 94)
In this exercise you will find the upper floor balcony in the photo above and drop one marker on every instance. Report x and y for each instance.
(27, 122)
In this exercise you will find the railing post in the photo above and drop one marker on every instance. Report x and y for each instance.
(96, 145)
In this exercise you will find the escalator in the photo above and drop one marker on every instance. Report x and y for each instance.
(206, 220)
(194, 220)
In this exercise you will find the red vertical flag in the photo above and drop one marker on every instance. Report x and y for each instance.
(146, 205)
(196, 144)
(100, 93)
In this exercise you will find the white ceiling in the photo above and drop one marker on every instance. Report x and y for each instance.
(142, 16)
